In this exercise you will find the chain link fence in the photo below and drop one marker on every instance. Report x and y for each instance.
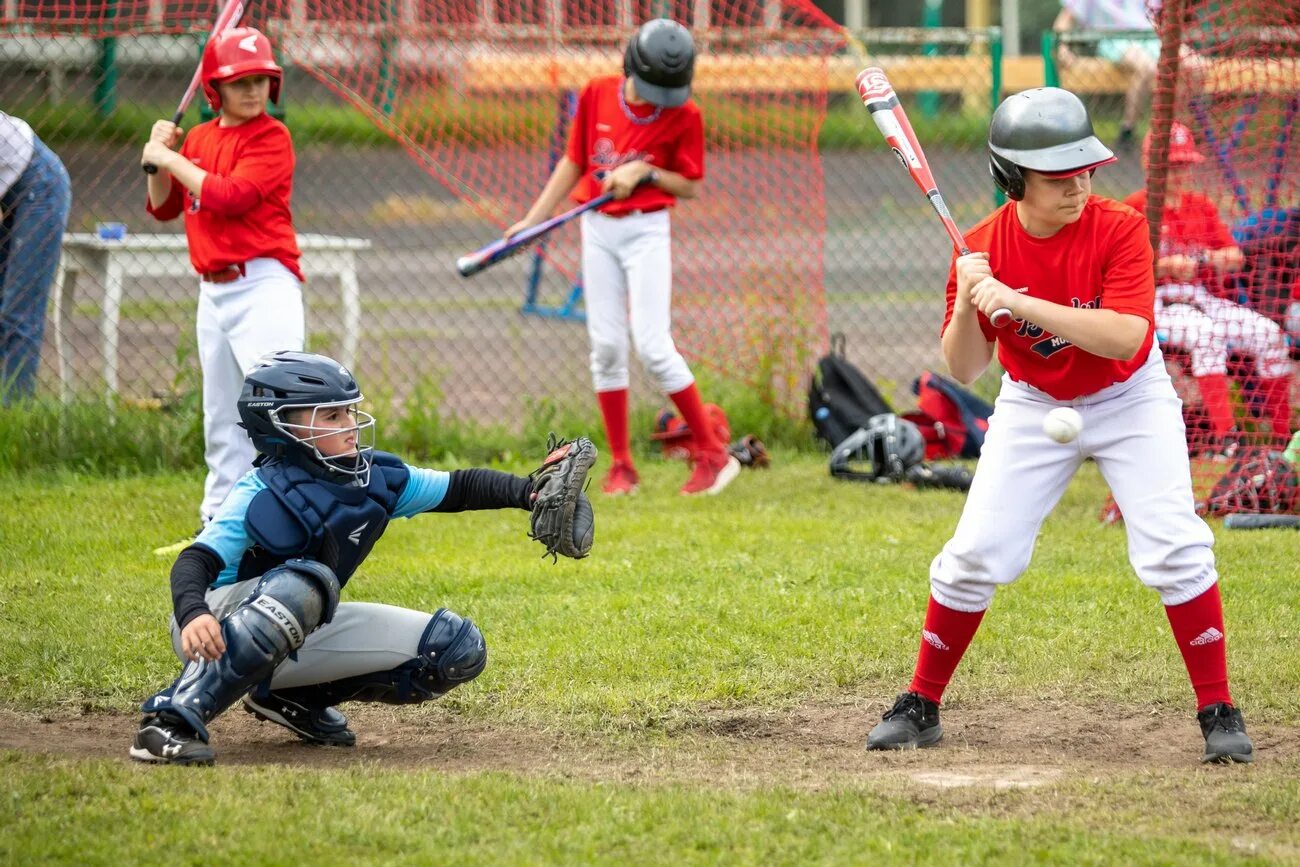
(421, 129)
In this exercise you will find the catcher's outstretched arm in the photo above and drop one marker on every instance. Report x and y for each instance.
(474, 489)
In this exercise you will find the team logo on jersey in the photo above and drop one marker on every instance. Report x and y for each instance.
(194, 205)
(604, 154)
(1045, 343)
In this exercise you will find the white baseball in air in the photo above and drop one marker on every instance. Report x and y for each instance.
(1063, 424)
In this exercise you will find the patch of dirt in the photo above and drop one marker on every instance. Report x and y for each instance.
(807, 747)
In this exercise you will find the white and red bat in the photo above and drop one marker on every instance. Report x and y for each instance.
(879, 98)
(229, 17)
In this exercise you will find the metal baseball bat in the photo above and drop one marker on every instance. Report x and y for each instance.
(230, 16)
(485, 257)
(880, 99)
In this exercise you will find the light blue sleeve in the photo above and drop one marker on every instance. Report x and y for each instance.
(424, 490)
(225, 534)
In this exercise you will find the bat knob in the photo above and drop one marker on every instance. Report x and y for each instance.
(1000, 317)
(465, 265)
(149, 168)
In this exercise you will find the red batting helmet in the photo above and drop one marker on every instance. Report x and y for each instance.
(1182, 146)
(238, 53)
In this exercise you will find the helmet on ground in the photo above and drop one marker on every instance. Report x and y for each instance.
(282, 382)
(1047, 130)
(238, 53)
(882, 451)
(660, 60)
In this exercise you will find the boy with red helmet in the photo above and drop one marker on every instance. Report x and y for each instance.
(233, 178)
(1196, 250)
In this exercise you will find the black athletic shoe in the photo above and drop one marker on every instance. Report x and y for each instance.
(1225, 735)
(912, 722)
(166, 741)
(325, 726)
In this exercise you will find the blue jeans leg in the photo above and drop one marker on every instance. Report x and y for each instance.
(31, 239)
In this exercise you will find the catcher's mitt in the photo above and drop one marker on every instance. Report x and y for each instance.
(751, 452)
(562, 519)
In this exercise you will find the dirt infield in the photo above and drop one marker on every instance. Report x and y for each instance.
(811, 747)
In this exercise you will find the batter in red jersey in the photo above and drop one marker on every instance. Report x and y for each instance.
(1076, 271)
(639, 136)
(232, 178)
(1196, 250)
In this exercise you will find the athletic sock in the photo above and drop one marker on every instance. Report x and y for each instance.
(1198, 629)
(613, 409)
(688, 403)
(1277, 405)
(944, 639)
(1214, 397)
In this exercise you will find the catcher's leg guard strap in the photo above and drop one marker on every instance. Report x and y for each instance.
(289, 602)
(451, 652)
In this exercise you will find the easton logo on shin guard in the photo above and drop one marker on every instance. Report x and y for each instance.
(281, 615)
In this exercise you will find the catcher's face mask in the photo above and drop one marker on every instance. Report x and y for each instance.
(338, 435)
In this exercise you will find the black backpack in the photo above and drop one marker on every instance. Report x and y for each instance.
(840, 397)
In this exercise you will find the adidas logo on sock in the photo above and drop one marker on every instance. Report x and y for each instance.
(1209, 636)
(937, 643)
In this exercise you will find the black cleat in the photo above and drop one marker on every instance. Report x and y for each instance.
(168, 741)
(325, 726)
(1225, 735)
(912, 722)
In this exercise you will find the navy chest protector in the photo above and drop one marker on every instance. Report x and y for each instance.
(300, 515)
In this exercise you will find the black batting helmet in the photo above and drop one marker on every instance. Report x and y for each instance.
(286, 380)
(883, 451)
(660, 60)
(1046, 129)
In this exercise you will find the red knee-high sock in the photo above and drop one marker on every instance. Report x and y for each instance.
(1198, 629)
(1214, 395)
(613, 408)
(1277, 405)
(944, 638)
(688, 403)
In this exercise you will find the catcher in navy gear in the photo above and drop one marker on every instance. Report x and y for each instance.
(256, 596)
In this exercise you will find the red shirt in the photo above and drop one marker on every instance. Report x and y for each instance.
(605, 136)
(1102, 260)
(1190, 227)
(243, 210)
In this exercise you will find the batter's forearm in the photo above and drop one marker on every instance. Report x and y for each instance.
(677, 184)
(558, 186)
(190, 176)
(965, 349)
(1100, 332)
(160, 188)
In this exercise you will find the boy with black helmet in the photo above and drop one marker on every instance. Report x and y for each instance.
(639, 136)
(1076, 272)
(256, 596)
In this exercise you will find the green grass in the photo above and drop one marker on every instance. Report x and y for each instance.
(789, 589)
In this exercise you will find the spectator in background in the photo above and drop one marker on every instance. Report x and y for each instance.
(35, 195)
(1136, 56)
(1196, 249)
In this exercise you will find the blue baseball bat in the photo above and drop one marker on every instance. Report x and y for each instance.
(503, 248)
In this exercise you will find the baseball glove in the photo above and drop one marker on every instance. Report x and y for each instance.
(751, 452)
(562, 519)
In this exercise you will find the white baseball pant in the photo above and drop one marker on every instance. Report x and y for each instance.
(1134, 431)
(627, 275)
(238, 323)
(1209, 328)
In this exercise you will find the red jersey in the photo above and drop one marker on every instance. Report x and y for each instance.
(1190, 227)
(1102, 260)
(608, 132)
(242, 212)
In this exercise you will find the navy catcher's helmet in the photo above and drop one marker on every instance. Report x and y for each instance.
(660, 60)
(1046, 129)
(888, 446)
(284, 381)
